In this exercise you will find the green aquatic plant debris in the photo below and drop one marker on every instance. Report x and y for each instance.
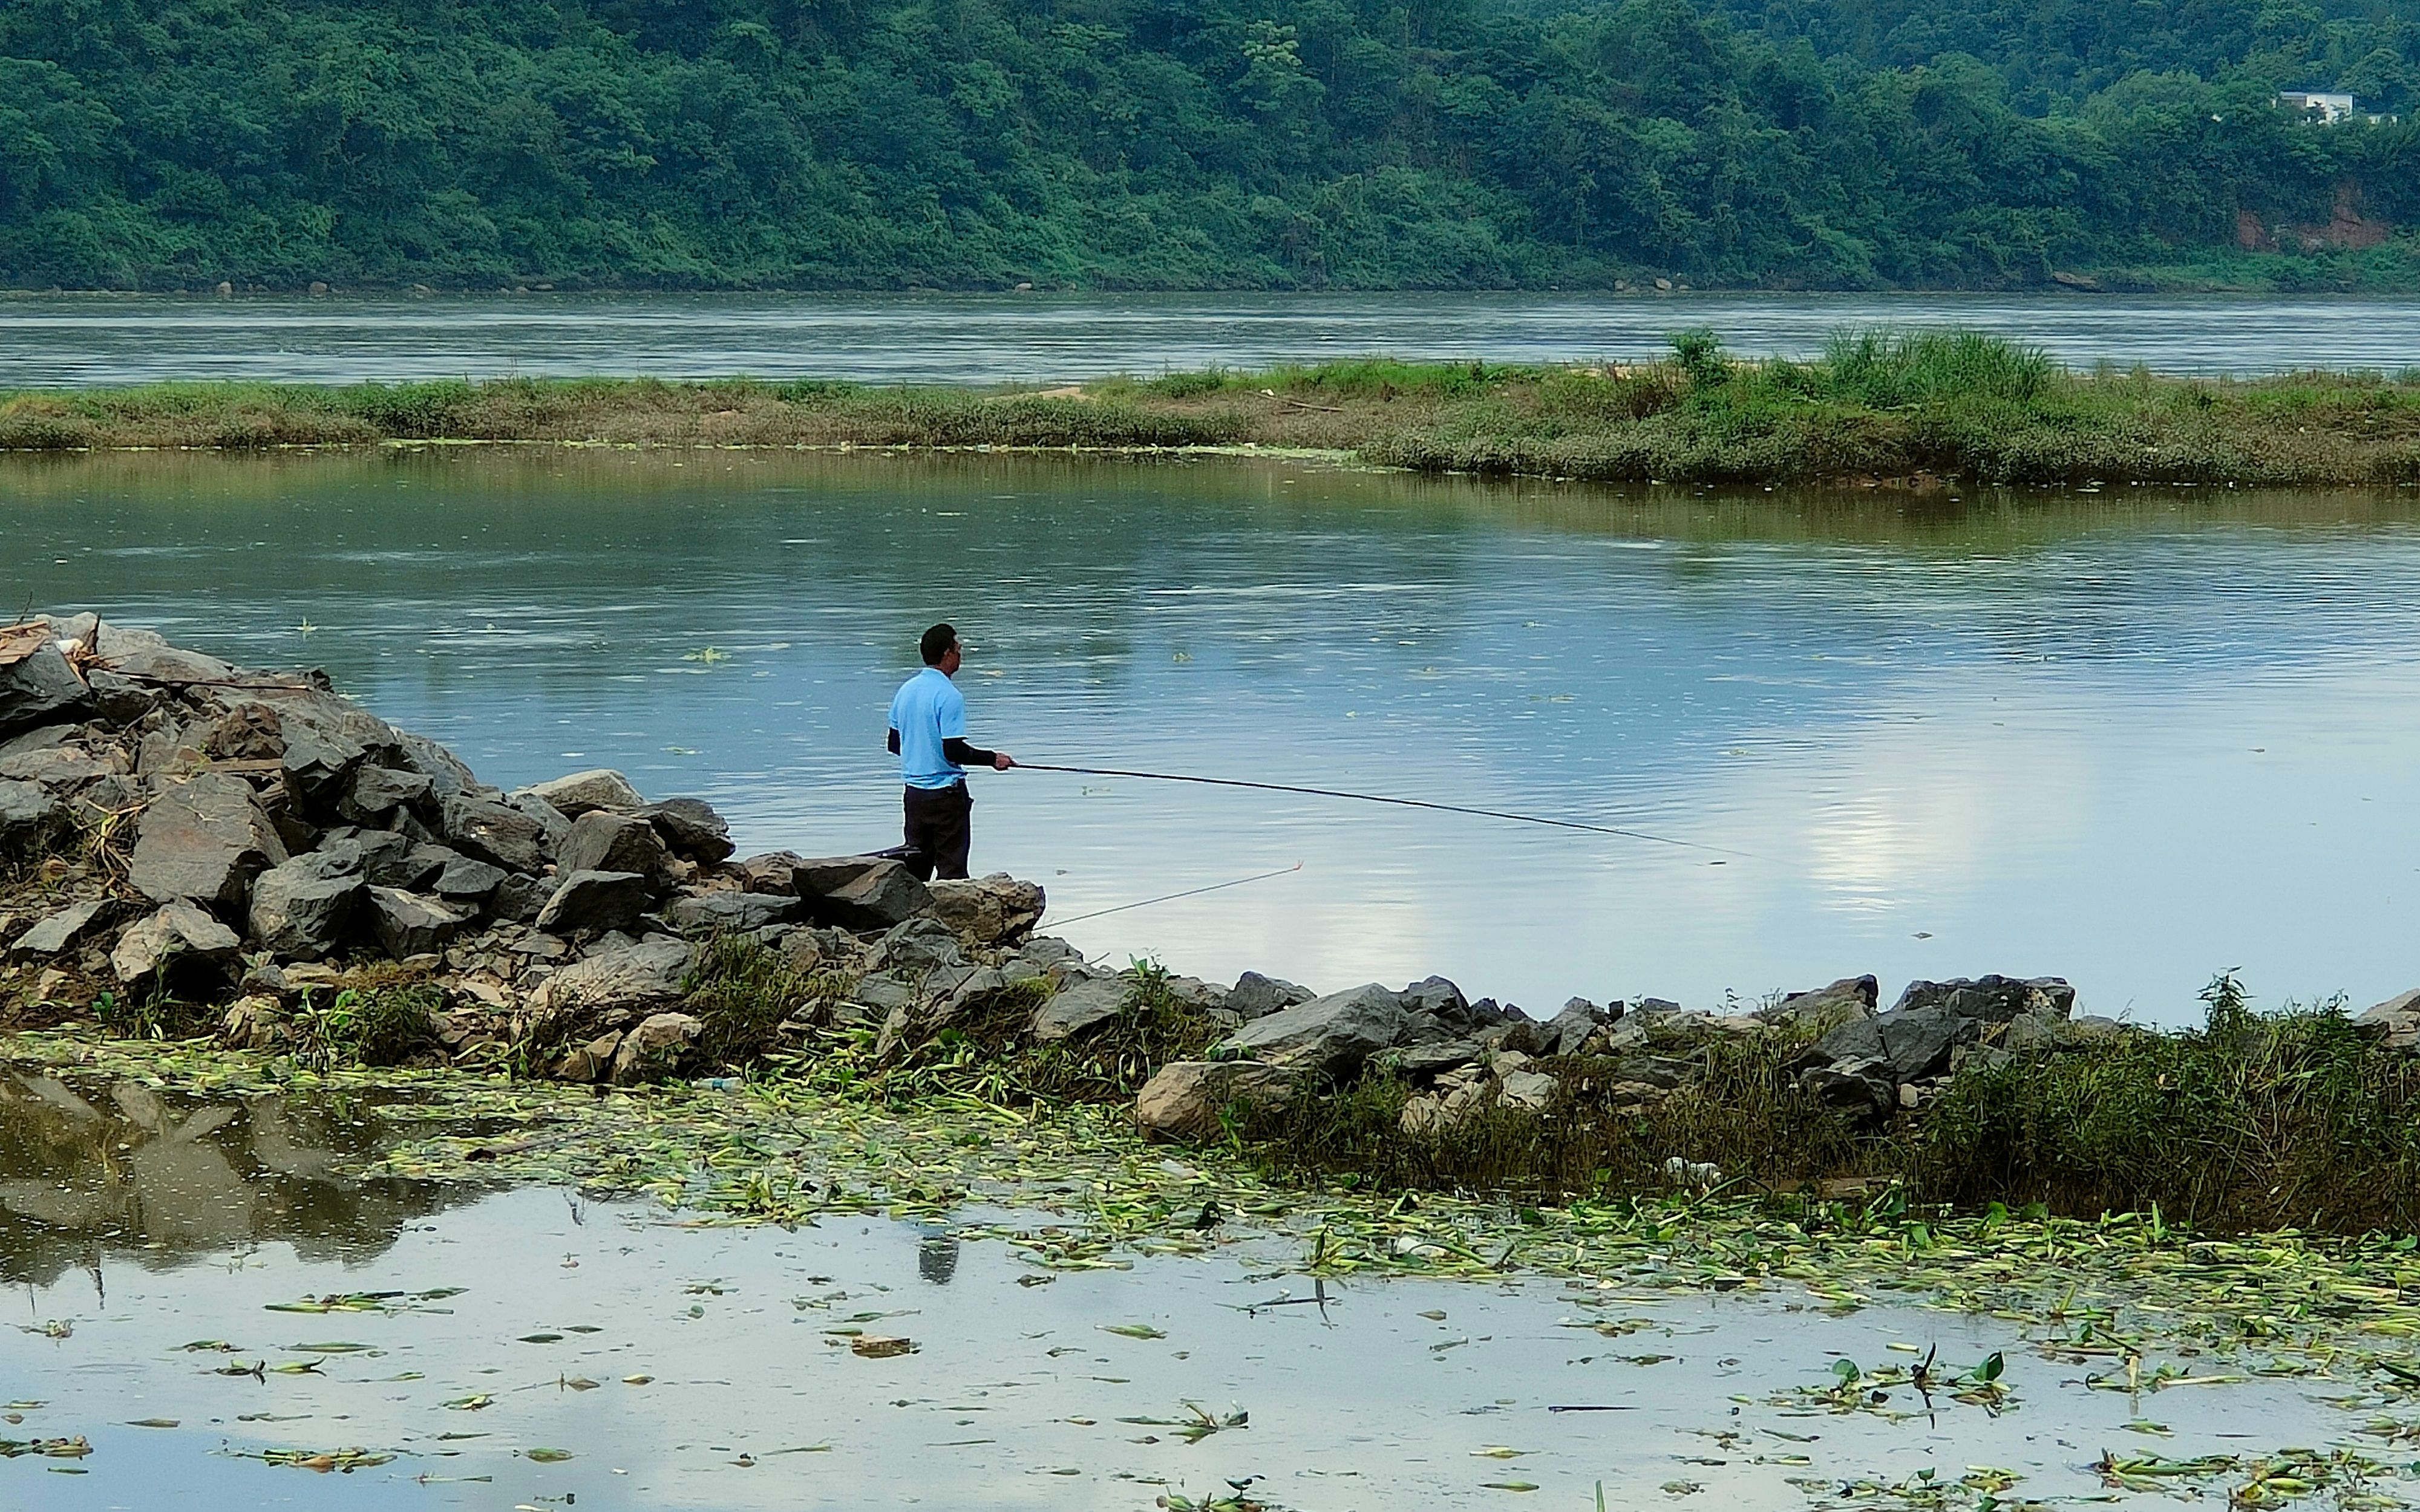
(323, 1460)
(58, 1448)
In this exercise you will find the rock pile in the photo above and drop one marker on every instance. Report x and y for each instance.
(174, 826)
(1460, 1056)
(178, 826)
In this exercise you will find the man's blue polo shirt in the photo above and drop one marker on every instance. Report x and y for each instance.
(928, 709)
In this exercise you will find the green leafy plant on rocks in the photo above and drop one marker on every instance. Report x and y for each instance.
(156, 1013)
(742, 994)
(985, 1052)
(1747, 1117)
(383, 1026)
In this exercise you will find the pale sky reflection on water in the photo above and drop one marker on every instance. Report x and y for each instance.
(2130, 739)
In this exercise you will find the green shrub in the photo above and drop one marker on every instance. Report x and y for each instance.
(1887, 369)
(386, 1026)
(417, 410)
(2292, 1119)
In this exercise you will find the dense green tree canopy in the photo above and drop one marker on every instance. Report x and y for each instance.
(1195, 143)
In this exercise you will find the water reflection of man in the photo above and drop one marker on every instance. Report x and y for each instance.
(928, 734)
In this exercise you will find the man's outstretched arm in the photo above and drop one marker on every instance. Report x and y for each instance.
(954, 748)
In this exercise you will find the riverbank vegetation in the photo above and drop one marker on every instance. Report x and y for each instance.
(279, 143)
(1876, 406)
(2297, 1117)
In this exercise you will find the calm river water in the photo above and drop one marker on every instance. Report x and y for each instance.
(2132, 739)
(70, 340)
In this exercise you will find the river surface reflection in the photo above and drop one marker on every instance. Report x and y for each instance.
(2128, 738)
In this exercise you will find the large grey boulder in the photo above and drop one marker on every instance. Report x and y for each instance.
(1438, 997)
(1909, 1043)
(917, 946)
(1917, 1041)
(36, 687)
(582, 792)
(325, 738)
(1333, 1034)
(691, 828)
(2395, 1022)
(449, 776)
(247, 731)
(494, 832)
(1080, 1006)
(550, 821)
(732, 913)
(407, 924)
(1568, 1031)
(1184, 1099)
(1992, 1000)
(603, 841)
(305, 908)
(119, 700)
(520, 900)
(1864, 1087)
(61, 769)
(1256, 996)
(59, 930)
(1528, 1089)
(994, 910)
(655, 1048)
(773, 872)
(1824, 1008)
(618, 972)
(146, 656)
(28, 814)
(374, 792)
(52, 756)
(204, 838)
(180, 943)
(467, 883)
(860, 892)
(39, 738)
(594, 901)
(413, 867)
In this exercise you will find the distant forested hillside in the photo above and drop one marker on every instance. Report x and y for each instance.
(1203, 142)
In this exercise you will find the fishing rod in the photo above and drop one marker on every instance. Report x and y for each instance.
(1380, 797)
(1168, 897)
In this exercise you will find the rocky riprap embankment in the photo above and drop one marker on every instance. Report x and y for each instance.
(177, 826)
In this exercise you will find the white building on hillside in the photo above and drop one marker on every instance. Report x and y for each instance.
(2328, 107)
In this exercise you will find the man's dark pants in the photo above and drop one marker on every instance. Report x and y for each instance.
(940, 832)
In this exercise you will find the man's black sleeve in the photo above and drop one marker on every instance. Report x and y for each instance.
(957, 750)
(894, 742)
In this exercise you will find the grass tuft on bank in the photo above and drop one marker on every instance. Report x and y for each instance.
(1876, 406)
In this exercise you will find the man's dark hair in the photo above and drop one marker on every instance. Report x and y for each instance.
(937, 643)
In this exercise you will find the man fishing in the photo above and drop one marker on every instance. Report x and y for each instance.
(928, 734)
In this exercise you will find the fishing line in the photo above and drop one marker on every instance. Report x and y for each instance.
(1189, 893)
(1405, 803)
